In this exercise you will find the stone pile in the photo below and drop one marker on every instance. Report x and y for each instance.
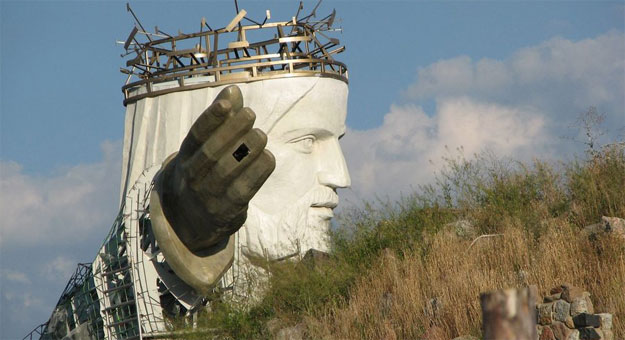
(568, 314)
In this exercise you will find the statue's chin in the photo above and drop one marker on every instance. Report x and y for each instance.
(292, 232)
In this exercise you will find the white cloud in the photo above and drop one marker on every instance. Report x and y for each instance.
(48, 225)
(15, 276)
(60, 268)
(559, 76)
(23, 299)
(406, 150)
(519, 107)
(59, 209)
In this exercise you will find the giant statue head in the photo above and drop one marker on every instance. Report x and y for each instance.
(291, 212)
(231, 162)
(284, 111)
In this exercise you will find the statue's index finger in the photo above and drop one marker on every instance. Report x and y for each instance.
(233, 95)
(228, 100)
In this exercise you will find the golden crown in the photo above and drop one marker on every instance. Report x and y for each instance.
(162, 63)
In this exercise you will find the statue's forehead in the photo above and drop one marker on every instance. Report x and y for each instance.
(324, 107)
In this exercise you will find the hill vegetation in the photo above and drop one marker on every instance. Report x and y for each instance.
(416, 267)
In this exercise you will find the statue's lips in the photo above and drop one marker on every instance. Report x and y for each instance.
(324, 209)
(330, 205)
(322, 212)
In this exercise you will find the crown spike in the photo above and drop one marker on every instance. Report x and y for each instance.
(165, 64)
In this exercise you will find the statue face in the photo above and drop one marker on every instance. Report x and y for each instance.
(294, 207)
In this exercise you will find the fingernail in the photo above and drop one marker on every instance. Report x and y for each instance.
(223, 106)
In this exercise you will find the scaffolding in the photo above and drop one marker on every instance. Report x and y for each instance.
(119, 295)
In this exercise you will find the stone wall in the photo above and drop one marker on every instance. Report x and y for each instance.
(568, 314)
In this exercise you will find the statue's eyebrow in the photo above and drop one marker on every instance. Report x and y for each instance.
(308, 131)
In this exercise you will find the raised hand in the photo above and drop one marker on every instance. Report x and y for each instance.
(222, 162)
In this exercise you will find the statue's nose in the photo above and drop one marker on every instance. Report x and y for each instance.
(332, 167)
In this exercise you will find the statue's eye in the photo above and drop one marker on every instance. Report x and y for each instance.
(304, 144)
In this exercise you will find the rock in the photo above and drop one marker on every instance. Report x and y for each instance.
(593, 230)
(569, 322)
(570, 292)
(574, 335)
(606, 320)
(313, 258)
(552, 297)
(556, 290)
(586, 320)
(600, 332)
(614, 225)
(560, 331)
(607, 334)
(545, 313)
(547, 334)
(578, 306)
(291, 333)
(466, 337)
(462, 228)
(582, 305)
(539, 330)
(589, 334)
(561, 310)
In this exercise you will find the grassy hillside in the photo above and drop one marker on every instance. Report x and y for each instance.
(402, 270)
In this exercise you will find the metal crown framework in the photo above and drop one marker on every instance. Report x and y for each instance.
(298, 48)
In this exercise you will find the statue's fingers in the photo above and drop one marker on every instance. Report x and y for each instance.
(230, 99)
(245, 186)
(208, 121)
(233, 95)
(235, 160)
(221, 140)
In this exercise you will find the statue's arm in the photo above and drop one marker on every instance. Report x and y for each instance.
(206, 187)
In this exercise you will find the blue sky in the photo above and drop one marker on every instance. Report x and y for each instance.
(508, 76)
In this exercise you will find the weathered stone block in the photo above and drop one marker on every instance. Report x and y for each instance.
(582, 305)
(545, 313)
(614, 225)
(607, 334)
(547, 334)
(569, 322)
(552, 297)
(561, 310)
(574, 335)
(570, 292)
(600, 332)
(589, 334)
(586, 320)
(606, 320)
(560, 331)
